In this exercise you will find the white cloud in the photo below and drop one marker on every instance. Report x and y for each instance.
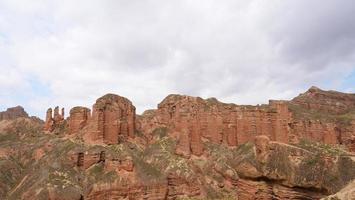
(238, 51)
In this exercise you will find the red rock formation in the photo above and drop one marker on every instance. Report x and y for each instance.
(262, 148)
(58, 117)
(325, 116)
(326, 101)
(119, 164)
(85, 159)
(314, 130)
(113, 120)
(13, 113)
(192, 119)
(120, 191)
(352, 144)
(178, 186)
(48, 125)
(78, 119)
(53, 121)
(250, 190)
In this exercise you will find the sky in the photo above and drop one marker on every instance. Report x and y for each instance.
(69, 53)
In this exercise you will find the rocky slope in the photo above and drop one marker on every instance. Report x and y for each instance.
(187, 148)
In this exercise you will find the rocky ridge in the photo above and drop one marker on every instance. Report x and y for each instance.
(13, 113)
(187, 148)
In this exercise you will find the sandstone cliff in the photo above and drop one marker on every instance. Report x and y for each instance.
(187, 148)
(112, 120)
(192, 120)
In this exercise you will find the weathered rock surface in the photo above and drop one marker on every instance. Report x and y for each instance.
(54, 120)
(187, 148)
(78, 119)
(112, 120)
(13, 113)
(192, 120)
(328, 101)
(250, 190)
(347, 193)
(117, 191)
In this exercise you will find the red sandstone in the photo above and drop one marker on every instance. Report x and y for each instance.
(13, 113)
(192, 119)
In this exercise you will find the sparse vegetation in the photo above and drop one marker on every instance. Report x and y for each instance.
(300, 112)
(160, 132)
(321, 149)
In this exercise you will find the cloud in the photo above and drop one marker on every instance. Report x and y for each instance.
(237, 51)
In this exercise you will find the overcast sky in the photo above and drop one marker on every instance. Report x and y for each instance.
(70, 52)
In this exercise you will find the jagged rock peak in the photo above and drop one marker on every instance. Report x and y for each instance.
(314, 89)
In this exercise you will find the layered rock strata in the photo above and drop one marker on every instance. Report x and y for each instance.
(112, 120)
(78, 119)
(13, 113)
(192, 120)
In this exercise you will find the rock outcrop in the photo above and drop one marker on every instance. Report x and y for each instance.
(192, 120)
(125, 164)
(112, 120)
(324, 116)
(262, 147)
(250, 190)
(13, 113)
(116, 191)
(347, 193)
(196, 148)
(327, 101)
(78, 119)
(53, 120)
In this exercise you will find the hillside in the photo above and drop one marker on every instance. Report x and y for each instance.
(186, 148)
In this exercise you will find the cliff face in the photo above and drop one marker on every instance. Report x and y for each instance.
(112, 120)
(13, 113)
(325, 116)
(320, 116)
(192, 119)
(78, 119)
(189, 148)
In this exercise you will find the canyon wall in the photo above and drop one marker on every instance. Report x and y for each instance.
(112, 120)
(192, 120)
(188, 147)
(316, 115)
(78, 119)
